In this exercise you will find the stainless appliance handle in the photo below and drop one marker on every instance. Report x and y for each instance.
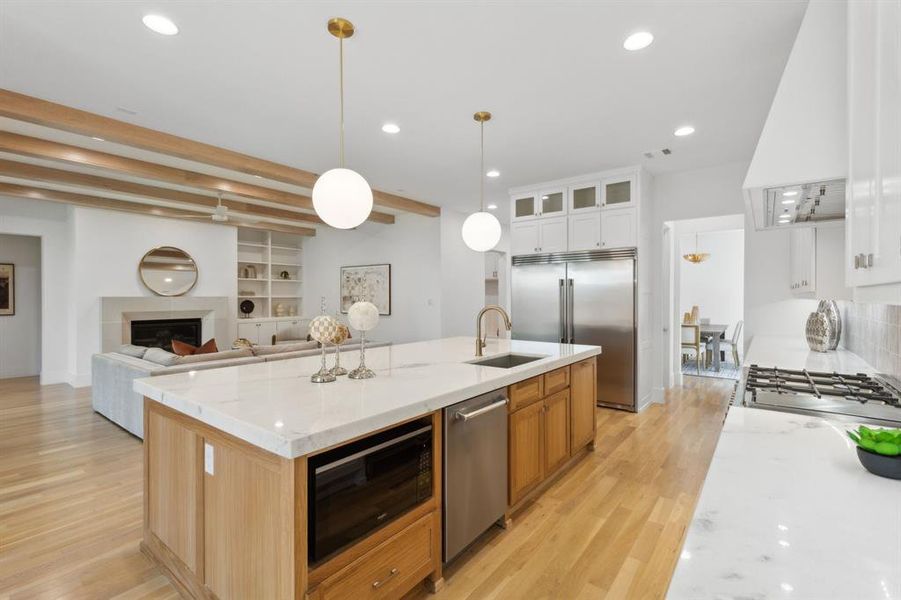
(562, 312)
(466, 415)
(376, 448)
(569, 310)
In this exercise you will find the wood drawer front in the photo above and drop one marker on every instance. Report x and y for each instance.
(526, 392)
(556, 380)
(390, 569)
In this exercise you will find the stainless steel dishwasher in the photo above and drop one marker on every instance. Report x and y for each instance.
(475, 469)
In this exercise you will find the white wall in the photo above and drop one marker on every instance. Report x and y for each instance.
(106, 249)
(462, 278)
(716, 285)
(20, 333)
(49, 222)
(411, 246)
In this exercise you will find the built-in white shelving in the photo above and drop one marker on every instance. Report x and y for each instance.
(270, 273)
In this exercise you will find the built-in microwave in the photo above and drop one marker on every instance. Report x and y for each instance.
(359, 487)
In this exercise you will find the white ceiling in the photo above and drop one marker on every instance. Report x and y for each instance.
(261, 78)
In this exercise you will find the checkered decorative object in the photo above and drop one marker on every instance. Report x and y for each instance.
(341, 335)
(324, 329)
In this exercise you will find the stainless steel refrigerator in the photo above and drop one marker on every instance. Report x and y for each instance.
(582, 298)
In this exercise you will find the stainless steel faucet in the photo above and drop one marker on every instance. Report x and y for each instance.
(480, 341)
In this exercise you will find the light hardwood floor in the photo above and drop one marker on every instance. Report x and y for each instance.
(70, 505)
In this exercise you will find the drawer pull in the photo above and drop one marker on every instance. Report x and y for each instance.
(377, 584)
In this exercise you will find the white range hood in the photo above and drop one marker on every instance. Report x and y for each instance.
(804, 140)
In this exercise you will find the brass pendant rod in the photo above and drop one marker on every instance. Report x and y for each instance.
(482, 167)
(341, 102)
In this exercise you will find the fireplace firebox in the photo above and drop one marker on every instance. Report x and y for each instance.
(159, 333)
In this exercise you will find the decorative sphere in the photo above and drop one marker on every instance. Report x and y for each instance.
(323, 329)
(481, 231)
(342, 198)
(341, 334)
(363, 316)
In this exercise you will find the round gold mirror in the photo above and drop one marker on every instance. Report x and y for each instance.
(168, 271)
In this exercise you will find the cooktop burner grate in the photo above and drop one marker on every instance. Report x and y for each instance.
(859, 388)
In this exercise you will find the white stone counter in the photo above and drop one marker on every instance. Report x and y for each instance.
(787, 511)
(792, 352)
(274, 406)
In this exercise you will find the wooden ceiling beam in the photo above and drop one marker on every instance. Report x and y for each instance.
(23, 145)
(36, 193)
(57, 116)
(11, 168)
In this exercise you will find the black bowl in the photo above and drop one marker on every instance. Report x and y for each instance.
(877, 464)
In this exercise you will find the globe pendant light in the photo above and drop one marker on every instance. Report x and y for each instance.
(481, 230)
(341, 197)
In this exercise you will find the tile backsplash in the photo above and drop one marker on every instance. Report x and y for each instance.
(873, 332)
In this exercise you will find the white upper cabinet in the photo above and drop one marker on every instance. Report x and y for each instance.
(524, 238)
(585, 231)
(552, 236)
(618, 192)
(592, 212)
(584, 197)
(618, 229)
(873, 213)
(524, 206)
(552, 203)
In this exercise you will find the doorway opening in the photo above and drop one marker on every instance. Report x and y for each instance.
(495, 291)
(20, 306)
(705, 297)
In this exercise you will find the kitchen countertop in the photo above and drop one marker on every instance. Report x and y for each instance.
(792, 352)
(274, 406)
(787, 511)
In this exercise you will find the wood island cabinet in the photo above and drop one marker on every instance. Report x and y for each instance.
(552, 418)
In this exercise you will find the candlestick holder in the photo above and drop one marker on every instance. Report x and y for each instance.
(323, 375)
(362, 372)
(338, 370)
(363, 316)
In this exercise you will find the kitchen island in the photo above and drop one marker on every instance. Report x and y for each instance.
(787, 511)
(226, 461)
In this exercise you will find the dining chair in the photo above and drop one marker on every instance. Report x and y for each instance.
(691, 342)
(731, 343)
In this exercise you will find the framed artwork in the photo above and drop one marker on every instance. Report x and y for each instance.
(370, 283)
(7, 289)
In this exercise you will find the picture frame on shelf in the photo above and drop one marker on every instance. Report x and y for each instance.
(371, 283)
(7, 289)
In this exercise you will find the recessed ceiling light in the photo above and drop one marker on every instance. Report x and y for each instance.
(493, 173)
(684, 130)
(160, 24)
(638, 40)
(789, 201)
(98, 139)
(390, 128)
(790, 193)
(491, 207)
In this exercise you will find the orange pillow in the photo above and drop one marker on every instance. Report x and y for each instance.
(183, 349)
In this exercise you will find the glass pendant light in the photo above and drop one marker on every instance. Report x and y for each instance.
(341, 197)
(696, 257)
(481, 230)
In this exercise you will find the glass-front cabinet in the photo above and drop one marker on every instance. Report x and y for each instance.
(552, 203)
(584, 197)
(618, 192)
(525, 206)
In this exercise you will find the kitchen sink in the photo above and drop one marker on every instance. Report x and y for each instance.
(506, 361)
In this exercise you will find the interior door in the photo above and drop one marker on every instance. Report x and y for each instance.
(602, 313)
(537, 302)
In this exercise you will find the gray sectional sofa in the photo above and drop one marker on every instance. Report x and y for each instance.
(113, 373)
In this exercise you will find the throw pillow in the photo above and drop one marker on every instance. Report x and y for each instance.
(132, 350)
(161, 357)
(184, 349)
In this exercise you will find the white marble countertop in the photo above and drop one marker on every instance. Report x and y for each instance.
(787, 511)
(792, 352)
(274, 406)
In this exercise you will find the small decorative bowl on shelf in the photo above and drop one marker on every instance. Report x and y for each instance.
(879, 450)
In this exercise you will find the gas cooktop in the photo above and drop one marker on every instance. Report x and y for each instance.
(857, 397)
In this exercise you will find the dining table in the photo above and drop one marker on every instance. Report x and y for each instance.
(715, 332)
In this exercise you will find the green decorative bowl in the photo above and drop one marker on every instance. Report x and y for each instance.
(877, 464)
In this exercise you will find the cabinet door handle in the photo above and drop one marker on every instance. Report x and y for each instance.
(869, 260)
(378, 584)
(857, 261)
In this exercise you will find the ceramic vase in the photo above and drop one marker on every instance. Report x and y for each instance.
(819, 332)
(830, 309)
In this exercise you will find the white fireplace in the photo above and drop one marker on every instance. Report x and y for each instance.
(117, 314)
